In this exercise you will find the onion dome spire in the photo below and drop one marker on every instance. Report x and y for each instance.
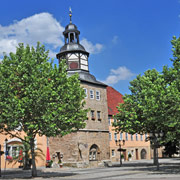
(70, 14)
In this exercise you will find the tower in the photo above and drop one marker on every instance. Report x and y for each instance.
(88, 146)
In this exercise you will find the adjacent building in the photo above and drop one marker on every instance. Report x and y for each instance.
(135, 147)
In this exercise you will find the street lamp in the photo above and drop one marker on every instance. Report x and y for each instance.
(6, 151)
(120, 143)
(155, 137)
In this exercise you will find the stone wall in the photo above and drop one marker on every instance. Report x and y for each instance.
(75, 147)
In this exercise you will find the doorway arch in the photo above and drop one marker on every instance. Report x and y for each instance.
(143, 154)
(94, 153)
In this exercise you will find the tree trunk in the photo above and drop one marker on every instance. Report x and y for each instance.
(155, 156)
(25, 163)
(34, 170)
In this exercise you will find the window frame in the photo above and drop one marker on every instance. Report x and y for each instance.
(115, 136)
(110, 136)
(86, 92)
(109, 120)
(92, 114)
(126, 136)
(137, 139)
(121, 136)
(141, 137)
(91, 94)
(99, 115)
(113, 154)
(132, 137)
(98, 98)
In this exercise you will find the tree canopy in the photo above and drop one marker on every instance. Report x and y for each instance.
(153, 105)
(37, 96)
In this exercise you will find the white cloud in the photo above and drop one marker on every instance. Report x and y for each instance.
(116, 75)
(41, 27)
(93, 49)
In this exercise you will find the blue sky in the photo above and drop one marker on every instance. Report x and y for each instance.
(124, 37)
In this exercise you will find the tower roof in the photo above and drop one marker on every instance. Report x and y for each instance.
(71, 28)
(71, 35)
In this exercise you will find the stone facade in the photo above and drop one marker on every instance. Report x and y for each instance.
(90, 145)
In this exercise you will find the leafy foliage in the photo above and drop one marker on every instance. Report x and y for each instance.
(170, 149)
(37, 97)
(153, 105)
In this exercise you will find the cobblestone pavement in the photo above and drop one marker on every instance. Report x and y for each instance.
(133, 170)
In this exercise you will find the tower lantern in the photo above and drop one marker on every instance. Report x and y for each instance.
(75, 54)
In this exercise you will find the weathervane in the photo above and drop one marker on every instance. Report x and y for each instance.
(70, 14)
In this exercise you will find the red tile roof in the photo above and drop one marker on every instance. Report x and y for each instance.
(113, 99)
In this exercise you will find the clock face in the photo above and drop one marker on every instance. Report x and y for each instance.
(73, 65)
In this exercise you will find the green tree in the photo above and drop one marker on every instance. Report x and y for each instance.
(170, 149)
(153, 105)
(172, 77)
(143, 111)
(37, 97)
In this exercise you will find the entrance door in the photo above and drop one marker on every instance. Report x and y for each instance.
(143, 154)
(137, 157)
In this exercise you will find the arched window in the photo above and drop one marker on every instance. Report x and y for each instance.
(13, 148)
(93, 153)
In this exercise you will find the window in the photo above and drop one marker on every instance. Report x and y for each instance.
(99, 115)
(110, 137)
(136, 137)
(92, 155)
(13, 150)
(131, 137)
(86, 94)
(97, 95)
(109, 120)
(91, 94)
(113, 152)
(92, 115)
(141, 137)
(145, 136)
(121, 136)
(115, 136)
(126, 136)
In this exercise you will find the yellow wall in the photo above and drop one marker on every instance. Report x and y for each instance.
(134, 146)
(41, 143)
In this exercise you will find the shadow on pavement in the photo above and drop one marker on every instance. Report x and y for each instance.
(26, 174)
(172, 167)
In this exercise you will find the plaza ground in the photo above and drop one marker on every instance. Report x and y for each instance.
(142, 169)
